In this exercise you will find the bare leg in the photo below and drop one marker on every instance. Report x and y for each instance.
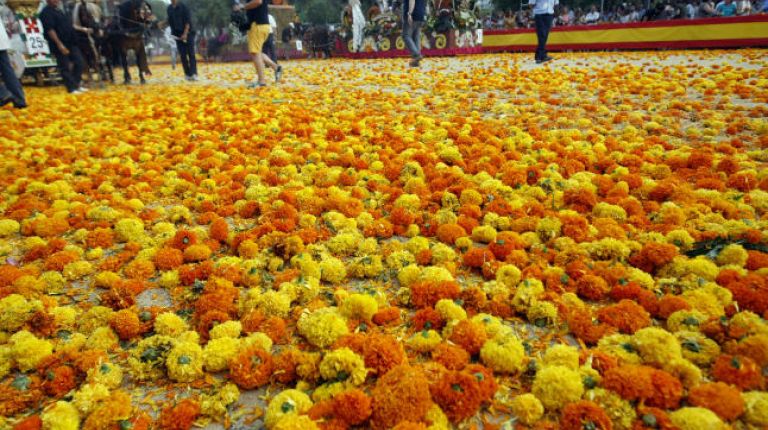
(258, 61)
(268, 61)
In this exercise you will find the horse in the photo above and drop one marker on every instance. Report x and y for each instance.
(126, 32)
(319, 41)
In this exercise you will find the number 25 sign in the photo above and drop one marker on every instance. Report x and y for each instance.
(33, 33)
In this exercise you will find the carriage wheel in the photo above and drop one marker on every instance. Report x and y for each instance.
(385, 44)
(400, 43)
(441, 41)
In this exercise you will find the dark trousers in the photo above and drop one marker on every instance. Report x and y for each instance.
(10, 83)
(269, 48)
(70, 66)
(543, 25)
(187, 54)
(412, 37)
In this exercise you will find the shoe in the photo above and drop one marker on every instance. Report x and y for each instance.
(544, 60)
(189, 78)
(194, 78)
(76, 92)
(19, 104)
(5, 100)
(278, 74)
(257, 85)
(414, 62)
(83, 89)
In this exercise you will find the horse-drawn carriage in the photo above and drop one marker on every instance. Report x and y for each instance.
(30, 54)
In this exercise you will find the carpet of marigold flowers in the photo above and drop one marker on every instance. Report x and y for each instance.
(478, 244)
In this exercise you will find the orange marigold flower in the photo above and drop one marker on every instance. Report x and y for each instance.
(219, 230)
(469, 335)
(410, 425)
(670, 304)
(652, 419)
(402, 394)
(387, 316)
(427, 293)
(584, 414)
(458, 394)
(382, 352)
(139, 269)
(582, 326)
(756, 260)
(627, 316)
(59, 380)
(427, 318)
(180, 416)
(251, 368)
(451, 356)
(197, 253)
(738, 370)
(352, 407)
(476, 257)
(630, 382)
(33, 422)
(580, 199)
(653, 256)
(183, 239)
(720, 398)
(169, 258)
(448, 233)
(100, 238)
(592, 287)
(668, 390)
(126, 324)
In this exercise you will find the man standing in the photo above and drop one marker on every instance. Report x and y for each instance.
(258, 17)
(269, 46)
(61, 38)
(543, 14)
(414, 12)
(727, 8)
(10, 87)
(180, 21)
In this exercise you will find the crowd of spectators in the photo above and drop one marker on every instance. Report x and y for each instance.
(630, 12)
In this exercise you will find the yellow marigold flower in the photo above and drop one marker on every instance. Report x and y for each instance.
(322, 327)
(105, 279)
(94, 254)
(368, 246)
(442, 253)
(756, 412)
(70, 342)
(226, 329)
(218, 352)
(470, 197)
(169, 279)
(484, 234)
(696, 419)
(147, 360)
(366, 267)
(493, 326)
(274, 303)
(399, 259)
(198, 252)
(606, 210)
(703, 268)
(656, 346)
(103, 338)
(170, 324)
(463, 243)
(732, 254)
(527, 292)
(620, 411)
(215, 404)
(61, 416)
(556, 386)
(548, 228)
(436, 274)
(257, 338)
(607, 249)
(77, 270)
(6, 360)
(698, 348)
(527, 408)
(28, 351)
(424, 341)
(15, 311)
(344, 243)
(542, 313)
(9, 227)
(705, 301)
(504, 354)
(332, 270)
(185, 362)
(89, 396)
(359, 306)
(106, 374)
(343, 365)
(688, 373)
(408, 201)
(287, 402)
(54, 282)
(412, 231)
(562, 355)
(680, 238)
(129, 230)
(620, 346)
(508, 275)
(450, 311)
(437, 417)
(686, 321)
(408, 275)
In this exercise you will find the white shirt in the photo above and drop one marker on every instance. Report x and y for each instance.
(272, 24)
(5, 43)
(592, 17)
(544, 6)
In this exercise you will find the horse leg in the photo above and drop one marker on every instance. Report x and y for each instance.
(141, 61)
(124, 63)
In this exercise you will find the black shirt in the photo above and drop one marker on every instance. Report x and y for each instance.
(419, 9)
(179, 17)
(54, 19)
(259, 15)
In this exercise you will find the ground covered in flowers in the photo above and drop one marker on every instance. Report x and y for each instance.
(482, 243)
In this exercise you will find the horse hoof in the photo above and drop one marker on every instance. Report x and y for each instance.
(143, 81)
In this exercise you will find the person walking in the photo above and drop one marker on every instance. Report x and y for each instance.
(180, 22)
(414, 12)
(269, 47)
(258, 17)
(60, 34)
(543, 15)
(10, 87)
